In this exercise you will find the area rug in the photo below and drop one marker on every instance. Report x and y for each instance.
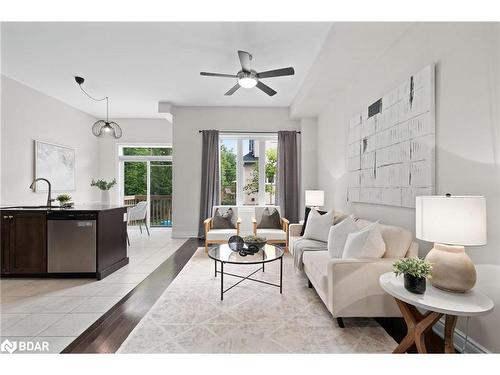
(253, 318)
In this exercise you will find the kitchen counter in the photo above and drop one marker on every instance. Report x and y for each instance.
(94, 207)
(83, 241)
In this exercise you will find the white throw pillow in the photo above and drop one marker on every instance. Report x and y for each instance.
(318, 225)
(365, 244)
(338, 235)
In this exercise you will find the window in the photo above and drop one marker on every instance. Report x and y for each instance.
(146, 151)
(248, 170)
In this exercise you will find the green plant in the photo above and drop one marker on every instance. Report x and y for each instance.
(63, 198)
(415, 267)
(103, 184)
(254, 239)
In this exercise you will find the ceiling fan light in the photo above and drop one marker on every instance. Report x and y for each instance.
(247, 82)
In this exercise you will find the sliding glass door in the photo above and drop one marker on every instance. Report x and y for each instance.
(146, 175)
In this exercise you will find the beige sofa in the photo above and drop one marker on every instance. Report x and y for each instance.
(350, 287)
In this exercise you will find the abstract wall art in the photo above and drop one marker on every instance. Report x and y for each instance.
(391, 142)
(56, 163)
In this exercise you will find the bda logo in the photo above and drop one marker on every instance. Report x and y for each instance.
(8, 346)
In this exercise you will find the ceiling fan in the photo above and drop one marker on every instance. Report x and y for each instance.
(248, 78)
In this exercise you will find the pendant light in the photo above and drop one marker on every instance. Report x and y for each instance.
(102, 128)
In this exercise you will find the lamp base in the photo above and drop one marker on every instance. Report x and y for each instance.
(452, 269)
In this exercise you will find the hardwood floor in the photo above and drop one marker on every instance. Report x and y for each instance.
(108, 333)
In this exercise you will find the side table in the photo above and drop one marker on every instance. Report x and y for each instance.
(437, 303)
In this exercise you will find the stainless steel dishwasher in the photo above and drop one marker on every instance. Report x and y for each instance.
(71, 242)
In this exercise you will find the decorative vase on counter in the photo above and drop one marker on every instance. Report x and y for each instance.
(105, 197)
(415, 284)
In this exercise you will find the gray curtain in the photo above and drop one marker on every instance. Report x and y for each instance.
(288, 175)
(209, 176)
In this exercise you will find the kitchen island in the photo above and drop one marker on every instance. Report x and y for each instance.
(83, 241)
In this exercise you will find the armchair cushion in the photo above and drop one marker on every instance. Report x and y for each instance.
(223, 220)
(269, 219)
(220, 234)
(272, 234)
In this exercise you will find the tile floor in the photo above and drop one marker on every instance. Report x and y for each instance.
(59, 310)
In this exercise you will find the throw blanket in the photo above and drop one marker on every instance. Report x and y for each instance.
(305, 244)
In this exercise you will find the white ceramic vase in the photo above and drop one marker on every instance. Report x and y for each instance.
(105, 197)
(452, 269)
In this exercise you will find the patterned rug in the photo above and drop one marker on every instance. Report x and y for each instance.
(253, 318)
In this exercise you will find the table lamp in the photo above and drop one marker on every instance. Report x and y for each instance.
(315, 198)
(451, 222)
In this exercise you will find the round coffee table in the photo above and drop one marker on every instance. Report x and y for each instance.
(224, 255)
(437, 302)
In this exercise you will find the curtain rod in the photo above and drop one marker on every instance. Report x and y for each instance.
(245, 132)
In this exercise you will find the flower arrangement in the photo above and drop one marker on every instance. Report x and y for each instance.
(103, 184)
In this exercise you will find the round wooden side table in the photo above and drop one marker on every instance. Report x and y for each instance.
(437, 303)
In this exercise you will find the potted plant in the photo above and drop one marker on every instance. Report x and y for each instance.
(104, 186)
(415, 271)
(64, 200)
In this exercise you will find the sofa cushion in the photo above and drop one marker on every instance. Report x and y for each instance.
(397, 240)
(366, 243)
(306, 215)
(338, 236)
(220, 234)
(316, 267)
(318, 226)
(272, 234)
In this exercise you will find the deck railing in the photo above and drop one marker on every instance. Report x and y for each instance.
(160, 208)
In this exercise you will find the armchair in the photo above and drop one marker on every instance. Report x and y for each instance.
(273, 235)
(218, 236)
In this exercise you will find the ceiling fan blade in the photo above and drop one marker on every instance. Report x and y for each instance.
(245, 58)
(232, 90)
(218, 75)
(269, 91)
(277, 73)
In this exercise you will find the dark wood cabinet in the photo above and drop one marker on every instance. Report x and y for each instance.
(24, 245)
(24, 242)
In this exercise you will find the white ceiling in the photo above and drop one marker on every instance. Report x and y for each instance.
(349, 48)
(139, 64)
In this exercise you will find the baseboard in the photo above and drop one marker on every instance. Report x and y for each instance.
(459, 339)
(183, 234)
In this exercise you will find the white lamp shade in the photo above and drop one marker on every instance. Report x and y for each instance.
(315, 198)
(452, 220)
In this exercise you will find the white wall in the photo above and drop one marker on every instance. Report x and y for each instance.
(28, 115)
(467, 127)
(187, 151)
(135, 131)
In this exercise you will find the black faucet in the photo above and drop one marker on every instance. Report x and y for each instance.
(49, 198)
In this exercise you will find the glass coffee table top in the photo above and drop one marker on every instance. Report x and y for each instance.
(223, 253)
